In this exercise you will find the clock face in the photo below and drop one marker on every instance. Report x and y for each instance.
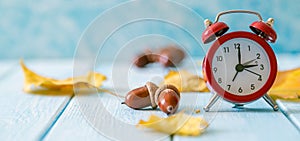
(240, 66)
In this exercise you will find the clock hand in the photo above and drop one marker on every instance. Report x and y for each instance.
(235, 76)
(250, 66)
(253, 72)
(248, 62)
(239, 55)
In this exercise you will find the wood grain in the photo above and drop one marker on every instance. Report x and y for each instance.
(256, 121)
(291, 110)
(26, 116)
(6, 67)
(102, 117)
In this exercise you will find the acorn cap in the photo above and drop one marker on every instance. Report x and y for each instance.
(152, 89)
(162, 88)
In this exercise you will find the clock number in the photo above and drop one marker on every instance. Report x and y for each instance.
(257, 55)
(219, 58)
(261, 67)
(220, 80)
(226, 49)
(228, 87)
(215, 69)
(259, 78)
(237, 45)
(240, 90)
(249, 48)
(252, 87)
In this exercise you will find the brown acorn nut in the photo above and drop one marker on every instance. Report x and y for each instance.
(168, 56)
(171, 56)
(167, 98)
(143, 59)
(141, 97)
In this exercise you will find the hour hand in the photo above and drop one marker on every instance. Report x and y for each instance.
(250, 66)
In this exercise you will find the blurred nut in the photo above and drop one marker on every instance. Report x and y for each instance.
(168, 57)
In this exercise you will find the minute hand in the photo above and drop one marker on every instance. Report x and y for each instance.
(239, 55)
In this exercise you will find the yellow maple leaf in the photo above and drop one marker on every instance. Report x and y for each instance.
(33, 82)
(286, 85)
(185, 81)
(180, 124)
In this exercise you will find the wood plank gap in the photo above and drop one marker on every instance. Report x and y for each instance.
(56, 119)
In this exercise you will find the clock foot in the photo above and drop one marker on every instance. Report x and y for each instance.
(271, 102)
(238, 106)
(211, 102)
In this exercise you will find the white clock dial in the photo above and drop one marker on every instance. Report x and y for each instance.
(240, 66)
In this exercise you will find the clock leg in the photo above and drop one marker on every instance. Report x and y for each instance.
(211, 102)
(271, 102)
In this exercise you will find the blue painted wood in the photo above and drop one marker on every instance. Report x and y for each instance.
(6, 67)
(257, 121)
(26, 116)
(79, 117)
(102, 117)
(30, 117)
(291, 110)
(295, 118)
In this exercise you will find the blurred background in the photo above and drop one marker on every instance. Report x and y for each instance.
(51, 29)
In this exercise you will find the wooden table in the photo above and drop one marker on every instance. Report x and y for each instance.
(40, 117)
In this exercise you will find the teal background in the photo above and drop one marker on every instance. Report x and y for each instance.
(51, 29)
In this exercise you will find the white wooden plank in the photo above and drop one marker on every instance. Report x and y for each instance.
(289, 107)
(102, 117)
(255, 122)
(5, 67)
(26, 116)
(291, 110)
(246, 123)
(125, 77)
(295, 118)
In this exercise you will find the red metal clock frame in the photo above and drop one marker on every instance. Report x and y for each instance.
(207, 71)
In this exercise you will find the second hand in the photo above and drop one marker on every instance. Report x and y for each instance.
(253, 72)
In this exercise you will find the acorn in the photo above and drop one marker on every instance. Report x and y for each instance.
(141, 97)
(167, 98)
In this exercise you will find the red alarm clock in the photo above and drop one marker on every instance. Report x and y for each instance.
(239, 66)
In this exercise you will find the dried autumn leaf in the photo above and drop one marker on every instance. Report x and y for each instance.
(50, 84)
(287, 85)
(185, 81)
(180, 124)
